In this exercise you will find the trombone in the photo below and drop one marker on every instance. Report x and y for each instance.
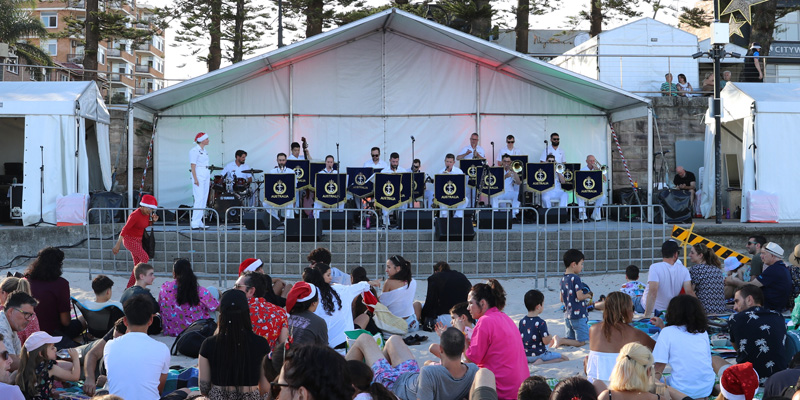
(560, 168)
(516, 166)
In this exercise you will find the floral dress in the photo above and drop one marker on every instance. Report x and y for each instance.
(710, 287)
(176, 317)
(44, 382)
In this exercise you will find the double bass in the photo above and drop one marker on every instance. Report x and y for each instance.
(308, 198)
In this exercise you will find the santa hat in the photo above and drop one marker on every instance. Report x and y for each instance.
(300, 292)
(250, 264)
(739, 382)
(148, 201)
(200, 137)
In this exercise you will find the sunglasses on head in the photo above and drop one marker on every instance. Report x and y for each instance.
(275, 389)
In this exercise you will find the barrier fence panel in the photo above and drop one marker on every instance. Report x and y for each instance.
(174, 239)
(620, 238)
(284, 245)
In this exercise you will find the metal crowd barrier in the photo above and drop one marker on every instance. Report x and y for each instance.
(174, 239)
(479, 245)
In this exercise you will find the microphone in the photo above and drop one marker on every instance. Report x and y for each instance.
(412, 139)
(492, 143)
(545, 141)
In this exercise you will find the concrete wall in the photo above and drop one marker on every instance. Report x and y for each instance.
(141, 140)
(678, 118)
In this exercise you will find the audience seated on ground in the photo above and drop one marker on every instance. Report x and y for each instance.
(14, 318)
(399, 290)
(267, 319)
(10, 285)
(305, 327)
(685, 346)
(322, 255)
(279, 289)
(740, 381)
(102, 312)
(52, 292)
(39, 368)
(708, 281)
(183, 301)
(757, 333)
(461, 319)
(607, 337)
(446, 288)
(7, 391)
(399, 372)
(145, 276)
(93, 366)
(534, 388)
(313, 373)
(137, 364)
(362, 319)
(665, 280)
(361, 377)
(632, 377)
(336, 302)
(778, 383)
(632, 287)
(574, 388)
(230, 362)
(533, 329)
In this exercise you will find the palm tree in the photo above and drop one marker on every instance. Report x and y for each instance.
(17, 23)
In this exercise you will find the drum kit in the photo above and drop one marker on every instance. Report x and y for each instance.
(231, 191)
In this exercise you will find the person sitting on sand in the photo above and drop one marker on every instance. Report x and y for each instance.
(632, 287)
(533, 329)
(632, 377)
(606, 338)
(461, 319)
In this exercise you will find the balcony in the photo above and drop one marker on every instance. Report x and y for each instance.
(114, 53)
(140, 91)
(116, 78)
(142, 26)
(81, 4)
(75, 58)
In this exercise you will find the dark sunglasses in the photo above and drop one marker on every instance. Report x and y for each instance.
(275, 389)
(509, 141)
(376, 155)
(4, 355)
(555, 140)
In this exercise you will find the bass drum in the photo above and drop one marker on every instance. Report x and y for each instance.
(223, 206)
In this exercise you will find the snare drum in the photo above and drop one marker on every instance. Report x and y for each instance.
(240, 185)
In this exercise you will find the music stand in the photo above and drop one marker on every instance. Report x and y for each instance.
(41, 193)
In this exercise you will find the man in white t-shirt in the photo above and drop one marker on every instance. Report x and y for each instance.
(137, 364)
(394, 168)
(510, 149)
(450, 168)
(553, 149)
(665, 279)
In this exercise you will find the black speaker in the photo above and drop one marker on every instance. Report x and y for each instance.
(335, 220)
(106, 200)
(306, 229)
(166, 215)
(416, 219)
(554, 215)
(457, 229)
(677, 206)
(489, 219)
(262, 221)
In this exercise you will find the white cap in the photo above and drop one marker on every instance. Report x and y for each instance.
(39, 339)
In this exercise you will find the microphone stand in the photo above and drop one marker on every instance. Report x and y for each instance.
(41, 193)
(413, 157)
(493, 158)
(479, 186)
(337, 156)
(545, 150)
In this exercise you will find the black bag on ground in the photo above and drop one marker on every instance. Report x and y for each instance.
(189, 341)
(149, 243)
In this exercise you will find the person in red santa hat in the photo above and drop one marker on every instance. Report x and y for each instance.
(251, 264)
(131, 234)
(201, 176)
(738, 382)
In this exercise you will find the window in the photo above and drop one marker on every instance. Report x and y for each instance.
(101, 56)
(50, 20)
(64, 77)
(50, 46)
(14, 69)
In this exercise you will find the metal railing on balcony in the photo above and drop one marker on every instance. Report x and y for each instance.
(116, 78)
(77, 4)
(75, 58)
(145, 69)
(140, 91)
(113, 53)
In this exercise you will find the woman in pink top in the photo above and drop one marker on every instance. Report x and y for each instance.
(183, 301)
(495, 342)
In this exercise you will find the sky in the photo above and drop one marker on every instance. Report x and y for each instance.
(179, 66)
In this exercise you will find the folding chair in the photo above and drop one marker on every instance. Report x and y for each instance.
(98, 321)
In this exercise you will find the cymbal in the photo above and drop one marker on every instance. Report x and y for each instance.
(215, 168)
(252, 171)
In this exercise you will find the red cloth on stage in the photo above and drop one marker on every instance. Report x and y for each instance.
(136, 224)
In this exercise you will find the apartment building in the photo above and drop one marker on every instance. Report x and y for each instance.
(129, 70)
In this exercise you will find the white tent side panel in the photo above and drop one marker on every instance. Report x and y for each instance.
(582, 60)
(774, 156)
(264, 94)
(646, 74)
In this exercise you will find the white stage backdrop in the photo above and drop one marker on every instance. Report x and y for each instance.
(377, 91)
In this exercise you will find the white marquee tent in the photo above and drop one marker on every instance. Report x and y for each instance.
(64, 124)
(377, 82)
(758, 125)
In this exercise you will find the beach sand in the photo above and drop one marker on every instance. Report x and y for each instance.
(80, 287)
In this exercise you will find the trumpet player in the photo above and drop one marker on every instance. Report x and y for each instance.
(591, 165)
(556, 192)
(512, 183)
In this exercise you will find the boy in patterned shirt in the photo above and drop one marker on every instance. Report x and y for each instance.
(573, 295)
(533, 329)
(632, 288)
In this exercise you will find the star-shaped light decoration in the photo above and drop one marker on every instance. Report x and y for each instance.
(743, 6)
(735, 27)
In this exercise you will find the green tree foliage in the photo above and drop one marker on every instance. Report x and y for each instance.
(17, 23)
(694, 17)
(213, 30)
(523, 11)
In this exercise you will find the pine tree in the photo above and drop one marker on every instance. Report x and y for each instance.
(16, 24)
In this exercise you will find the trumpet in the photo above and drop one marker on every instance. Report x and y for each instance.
(604, 169)
(560, 168)
(516, 166)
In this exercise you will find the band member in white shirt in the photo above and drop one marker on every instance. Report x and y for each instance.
(288, 209)
(201, 179)
(375, 159)
(553, 148)
(296, 154)
(428, 196)
(556, 192)
(510, 149)
(512, 182)
(450, 168)
(591, 165)
(234, 168)
(329, 162)
(394, 168)
(473, 150)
